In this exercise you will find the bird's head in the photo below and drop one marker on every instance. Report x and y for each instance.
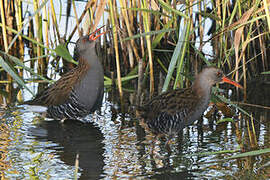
(213, 75)
(88, 43)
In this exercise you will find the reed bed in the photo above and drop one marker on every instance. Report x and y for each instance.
(144, 39)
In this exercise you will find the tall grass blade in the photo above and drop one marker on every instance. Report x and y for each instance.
(25, 23)
(18, 62)
(175, 56)
(161, 33)
(10, 70)
(150, 33)
(266, 72)
(180, 66)
(154, 12)
(25, 37)
(250, 153)
(168, 7)
(62, 51)
(241, 155)
(225, 120)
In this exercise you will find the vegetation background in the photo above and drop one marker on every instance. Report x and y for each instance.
(145, 40)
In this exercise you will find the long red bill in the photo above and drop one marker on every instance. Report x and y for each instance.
(93, 36)
(227, 80)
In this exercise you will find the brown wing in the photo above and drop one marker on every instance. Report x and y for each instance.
(175, 104)
(58, 93)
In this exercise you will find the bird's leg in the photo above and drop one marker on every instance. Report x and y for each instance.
(167, 144)
(180, 140)
(153, 144)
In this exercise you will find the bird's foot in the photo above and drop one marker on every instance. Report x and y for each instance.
(168, 142)
(63, 120)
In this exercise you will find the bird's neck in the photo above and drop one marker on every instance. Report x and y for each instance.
(88, 59)
(202, 87)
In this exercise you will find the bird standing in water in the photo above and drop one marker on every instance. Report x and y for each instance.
(172, 111)
(80, 91)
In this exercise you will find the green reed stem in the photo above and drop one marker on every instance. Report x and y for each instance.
(175, 56)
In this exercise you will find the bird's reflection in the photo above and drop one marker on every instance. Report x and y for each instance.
(75, 138)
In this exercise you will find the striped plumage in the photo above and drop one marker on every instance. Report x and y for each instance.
(71, 109)
(78, 92)
(172, 111)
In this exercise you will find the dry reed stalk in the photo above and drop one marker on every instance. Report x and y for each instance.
(18, 15)
(4, 30)
(99, 13)
(192, 39)
(219, 40)
(237, 41)
(115, 40)
(121, 34)
(54, 20)
(147, 24)
(127, 20)
(244, 72)
(38, 31)
(76, 17)
(80, 20)
(201, 27)
(263, 48)
(251, 132)
(141, 31)
(46, 30)
(92, 7)
(8, 20)
(266, 7)
(140, 62)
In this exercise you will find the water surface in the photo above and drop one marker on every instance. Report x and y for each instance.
(113, 145)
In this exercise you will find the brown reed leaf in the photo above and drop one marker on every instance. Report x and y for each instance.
(99, 13)
(239, 31)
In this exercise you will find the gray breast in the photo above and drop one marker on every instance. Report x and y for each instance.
(90, 90)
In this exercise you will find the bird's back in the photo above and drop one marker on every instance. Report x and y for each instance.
(170, 112)
(59, 92)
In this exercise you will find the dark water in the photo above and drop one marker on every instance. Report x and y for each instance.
(114, 146)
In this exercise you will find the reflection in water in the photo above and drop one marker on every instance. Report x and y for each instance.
(4, 143)
(75, 138)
